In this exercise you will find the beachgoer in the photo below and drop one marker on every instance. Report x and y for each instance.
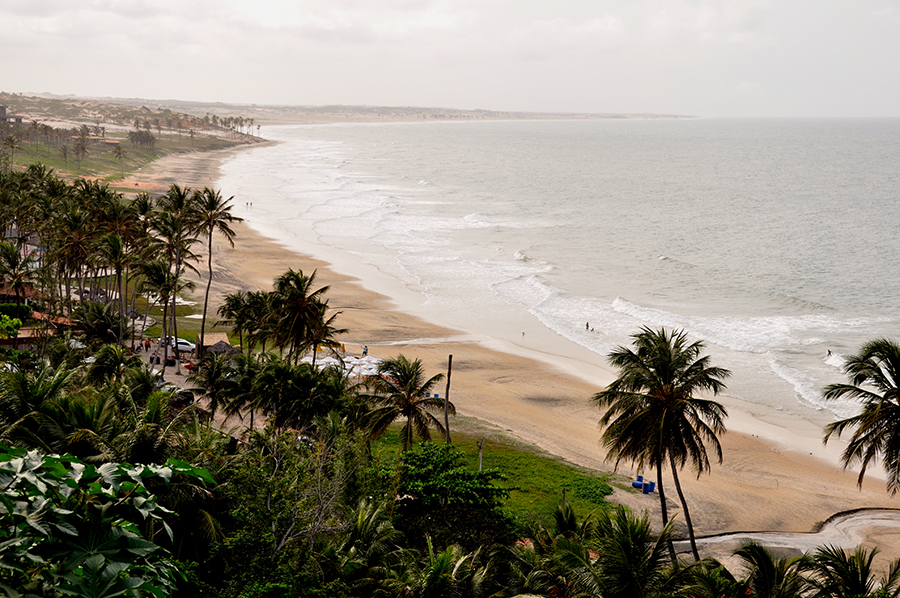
(829, 352)
(587, 325)
(365, 350)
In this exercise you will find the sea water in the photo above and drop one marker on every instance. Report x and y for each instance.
(772, 241)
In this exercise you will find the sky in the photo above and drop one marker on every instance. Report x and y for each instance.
(738, 58)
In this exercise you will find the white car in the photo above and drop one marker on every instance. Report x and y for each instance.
(182, 345)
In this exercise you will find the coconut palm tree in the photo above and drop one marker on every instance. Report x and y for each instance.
(111, 252)
(213, 214)
(771, 577)
(401, 391)
(322, 331)
(621, 558)
(836, 573)
(23, 392)
(232, 309)
(120, 153)
(874, 375)
(652, 416)
(294, 306)
(215, 379)
(12, 144)
(159, 280)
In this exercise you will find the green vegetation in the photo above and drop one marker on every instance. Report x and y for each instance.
(536, 482)
(121, 485)
(107, 141)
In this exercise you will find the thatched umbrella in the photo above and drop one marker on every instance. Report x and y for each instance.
(223, 348)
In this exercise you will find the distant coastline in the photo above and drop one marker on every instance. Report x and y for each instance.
(329, 114)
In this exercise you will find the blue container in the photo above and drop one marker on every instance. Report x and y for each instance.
(652, 486)
(645, 488)
(637, 484)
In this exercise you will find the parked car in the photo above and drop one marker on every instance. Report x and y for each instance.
(182, 345)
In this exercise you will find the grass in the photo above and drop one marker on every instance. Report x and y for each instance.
(101, 161)
(536, 480)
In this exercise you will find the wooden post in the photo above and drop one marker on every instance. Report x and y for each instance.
(447, 400)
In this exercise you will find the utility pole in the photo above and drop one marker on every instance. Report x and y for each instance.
(447, 400)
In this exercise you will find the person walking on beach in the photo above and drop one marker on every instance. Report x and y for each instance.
(365, 350)
(587, 325)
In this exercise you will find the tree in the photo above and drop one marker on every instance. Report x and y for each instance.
(322, 330)
(17, 271)
(628, 559)
(771, 577)
(874, 375)
(12, 144)
(294, 306)
(112, 252)
(120, 154)
(402, 392)
(213, 213)
(835, 573)
(214, 378)
(652, 415)
(437, 477)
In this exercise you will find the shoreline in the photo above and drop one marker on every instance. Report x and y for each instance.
(767, 481)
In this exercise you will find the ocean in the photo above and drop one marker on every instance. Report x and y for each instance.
(772, 241)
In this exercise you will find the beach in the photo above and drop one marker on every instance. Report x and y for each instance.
(773, 477)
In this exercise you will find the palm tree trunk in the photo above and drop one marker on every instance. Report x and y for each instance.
(205, 300)
(163, 341)
(121, 292)
(684, 507)
(662, 504)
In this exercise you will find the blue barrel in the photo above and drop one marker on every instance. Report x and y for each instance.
(639, 483)
(646, 488)
(652, 486)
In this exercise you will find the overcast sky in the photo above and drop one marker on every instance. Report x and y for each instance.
(698, 57)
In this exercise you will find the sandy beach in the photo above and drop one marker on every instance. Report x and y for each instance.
(772, 478)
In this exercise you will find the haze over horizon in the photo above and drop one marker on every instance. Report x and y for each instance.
(699, 57)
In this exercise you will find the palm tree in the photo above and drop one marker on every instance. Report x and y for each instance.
(322, 330)
(213, 213)
(874, 375)
(771, 577)
(402, 391)
(232, 310)
(12, 144)
(652, 414)
(838, 574)
(628, 558)
(294, 306)
(120, 154)
(17, 271)
(111, 251)
(22, 393)
(214, 378)
(159, 280)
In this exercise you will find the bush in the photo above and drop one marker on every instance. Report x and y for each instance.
(437, 477)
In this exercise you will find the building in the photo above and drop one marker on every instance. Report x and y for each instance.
(9, 118)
